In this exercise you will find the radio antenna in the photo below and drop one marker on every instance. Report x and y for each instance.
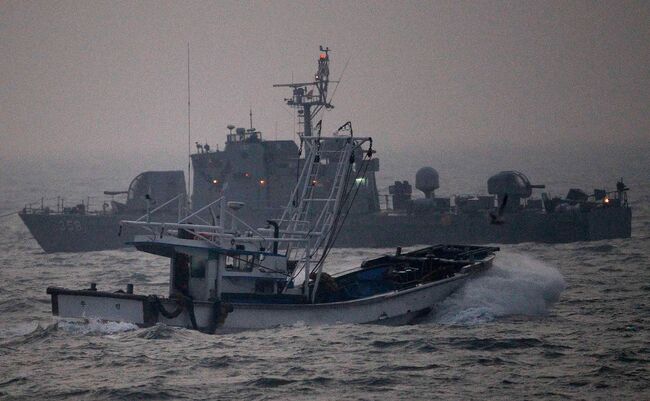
(189, 129)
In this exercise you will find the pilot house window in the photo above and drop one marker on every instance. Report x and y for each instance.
(242, 263)
(197, 267)
(184, 264)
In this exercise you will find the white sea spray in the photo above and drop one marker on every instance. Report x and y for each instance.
(518, 284)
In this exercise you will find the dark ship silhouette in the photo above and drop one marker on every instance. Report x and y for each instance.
(257, 176)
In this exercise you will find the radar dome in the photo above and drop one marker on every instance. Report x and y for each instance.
(427, 180)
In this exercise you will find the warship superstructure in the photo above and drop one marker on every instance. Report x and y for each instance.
(255, 176)
(507, 214)
(260, 173)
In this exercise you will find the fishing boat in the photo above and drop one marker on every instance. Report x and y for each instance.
(233, 276)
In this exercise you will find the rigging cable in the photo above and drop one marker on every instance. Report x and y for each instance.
(338, 228)
(340, 78)
(335, 224)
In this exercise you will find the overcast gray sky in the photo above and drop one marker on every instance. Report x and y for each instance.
(109, 78)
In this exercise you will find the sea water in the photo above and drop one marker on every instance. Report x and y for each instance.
(562, 321)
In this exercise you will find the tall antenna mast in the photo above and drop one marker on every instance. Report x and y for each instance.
(305, 100)
(189, 129)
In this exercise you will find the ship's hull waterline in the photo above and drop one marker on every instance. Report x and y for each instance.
(396, 307)
(79, 233)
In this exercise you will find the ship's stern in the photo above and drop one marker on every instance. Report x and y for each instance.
(92, 304)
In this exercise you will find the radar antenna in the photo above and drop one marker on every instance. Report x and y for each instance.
(308, 103)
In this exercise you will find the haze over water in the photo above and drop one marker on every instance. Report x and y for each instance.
(100, 80)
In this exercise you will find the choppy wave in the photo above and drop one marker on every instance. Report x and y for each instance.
(516, 285)
(39, 333)
(157, 332)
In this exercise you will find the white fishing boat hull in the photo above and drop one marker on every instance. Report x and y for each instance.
(396, 307)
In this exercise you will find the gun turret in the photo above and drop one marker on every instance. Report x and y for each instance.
(514, 184)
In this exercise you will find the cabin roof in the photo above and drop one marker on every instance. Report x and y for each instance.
(166, 247)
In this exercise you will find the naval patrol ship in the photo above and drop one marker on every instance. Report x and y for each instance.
(260, 174)
(256, 176)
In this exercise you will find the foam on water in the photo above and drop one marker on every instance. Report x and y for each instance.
(517, 284)
(94, 326)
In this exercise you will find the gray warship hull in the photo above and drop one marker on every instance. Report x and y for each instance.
(387, 230)
(76, 233)
(70, 233)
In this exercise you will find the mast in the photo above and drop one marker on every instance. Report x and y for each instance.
(189, 130)
(308, 103)
(316, 212)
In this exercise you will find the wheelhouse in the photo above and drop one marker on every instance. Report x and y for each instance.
(214, 273)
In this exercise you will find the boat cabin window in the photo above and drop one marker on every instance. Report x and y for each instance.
(242, 263)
